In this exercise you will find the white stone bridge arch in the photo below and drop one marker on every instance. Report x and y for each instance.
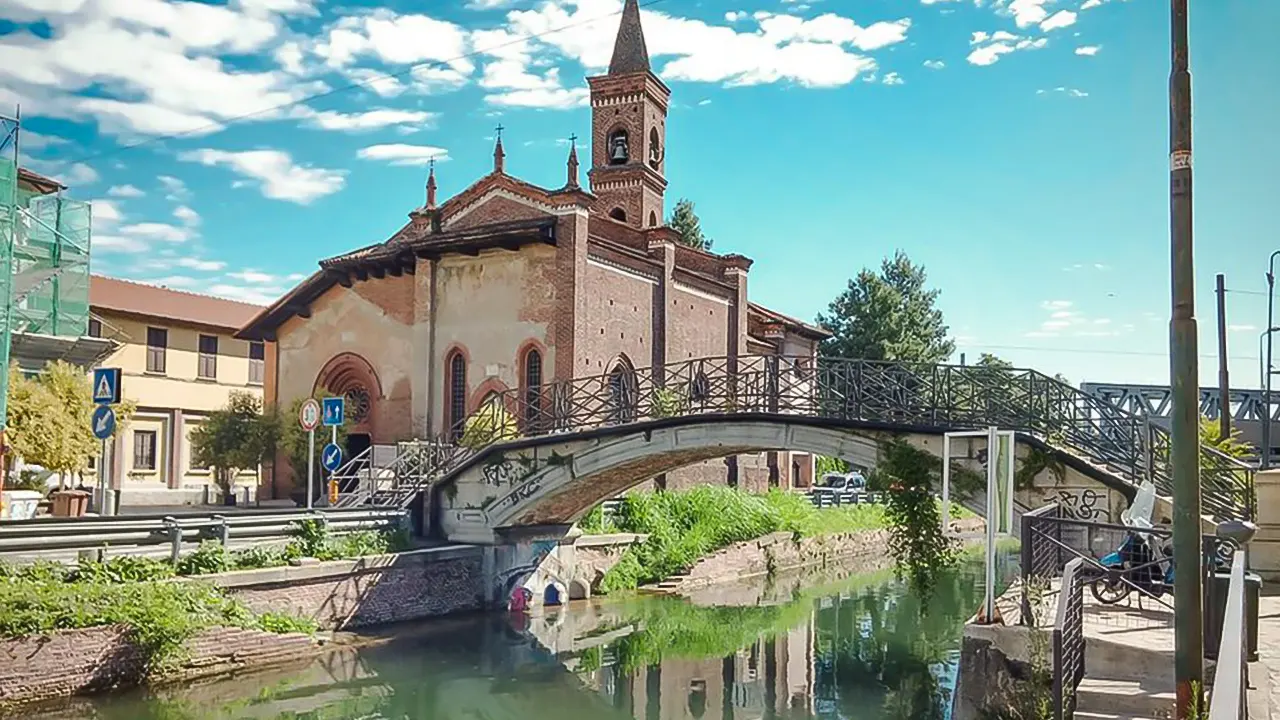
(553, 481)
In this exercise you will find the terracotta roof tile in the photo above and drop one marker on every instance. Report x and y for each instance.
(134, 298)
(819, 333)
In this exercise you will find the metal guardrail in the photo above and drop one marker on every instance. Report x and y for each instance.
(1231, 677)
(1068, 640)
(52, 534)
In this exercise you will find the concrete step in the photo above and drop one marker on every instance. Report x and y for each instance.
(1111, 716)
(1123, 698)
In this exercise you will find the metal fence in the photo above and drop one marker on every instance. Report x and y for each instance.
(43, 535)
(1068, 640)
(1050, 540)
(1231, 677)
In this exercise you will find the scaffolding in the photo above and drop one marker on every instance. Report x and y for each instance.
(44, 281)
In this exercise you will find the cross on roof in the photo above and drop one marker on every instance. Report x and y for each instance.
(500, 129)
(573, 138)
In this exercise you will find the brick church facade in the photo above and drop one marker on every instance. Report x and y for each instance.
(509, 285)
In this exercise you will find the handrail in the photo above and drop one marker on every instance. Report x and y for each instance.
(1231, 677)
(87, 534)
(882, 393)
(1068, 641)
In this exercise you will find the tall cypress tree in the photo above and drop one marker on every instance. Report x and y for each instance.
(685, 222)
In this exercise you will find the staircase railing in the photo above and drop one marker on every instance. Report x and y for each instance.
(1068, 641)
(925, 398)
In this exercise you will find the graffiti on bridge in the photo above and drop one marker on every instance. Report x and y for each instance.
(1081, 503)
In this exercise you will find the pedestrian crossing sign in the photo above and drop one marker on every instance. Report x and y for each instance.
(106, 386)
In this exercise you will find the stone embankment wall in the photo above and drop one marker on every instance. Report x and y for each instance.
(74, 662)
(350, 594)
(781, 551)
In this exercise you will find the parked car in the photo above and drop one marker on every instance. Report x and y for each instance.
(839, 489)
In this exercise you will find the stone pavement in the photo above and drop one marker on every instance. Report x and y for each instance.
(1264, 675)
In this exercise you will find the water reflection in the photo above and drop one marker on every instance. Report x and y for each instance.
(858, 648)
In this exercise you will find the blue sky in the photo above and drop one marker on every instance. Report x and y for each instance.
(1017, 148)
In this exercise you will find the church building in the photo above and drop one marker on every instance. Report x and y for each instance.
(510, 285)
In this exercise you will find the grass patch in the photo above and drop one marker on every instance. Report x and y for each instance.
(138, 592)
(688, 525)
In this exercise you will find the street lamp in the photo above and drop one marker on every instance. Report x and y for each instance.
(1265, 454)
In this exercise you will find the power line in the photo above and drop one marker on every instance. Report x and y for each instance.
(367, 82)
(1081, 351)
(1259, 293)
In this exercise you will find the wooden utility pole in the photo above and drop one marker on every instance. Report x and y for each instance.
(1184, 373)
(1224, 379)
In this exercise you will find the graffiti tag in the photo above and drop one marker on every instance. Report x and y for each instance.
(1080, 503)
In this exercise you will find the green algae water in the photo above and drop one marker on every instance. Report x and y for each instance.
(811, 646)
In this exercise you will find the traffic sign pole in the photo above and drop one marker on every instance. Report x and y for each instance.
(311, 466)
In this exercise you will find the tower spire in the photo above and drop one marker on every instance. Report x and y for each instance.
(431, 185)
(573, 162)
(499, 155)
(629, 52)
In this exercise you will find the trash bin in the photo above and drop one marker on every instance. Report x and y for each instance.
(1215, 610)
(70, 503)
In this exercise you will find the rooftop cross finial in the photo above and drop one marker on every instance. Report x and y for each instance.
(573, 162)
(431, 184)
(499, 155)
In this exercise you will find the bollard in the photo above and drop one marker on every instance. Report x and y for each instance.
(175, 539)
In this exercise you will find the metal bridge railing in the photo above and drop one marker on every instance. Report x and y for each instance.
(1231, 677)
(134, 532)
(1068, 640)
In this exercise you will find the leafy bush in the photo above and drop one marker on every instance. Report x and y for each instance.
(122, 569)
(283, 623)
(668, 402)
(490, 424)
(685, 526)
(211, 557)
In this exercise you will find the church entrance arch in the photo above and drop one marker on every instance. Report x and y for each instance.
(350, 375)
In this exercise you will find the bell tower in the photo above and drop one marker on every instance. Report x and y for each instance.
(629, 130)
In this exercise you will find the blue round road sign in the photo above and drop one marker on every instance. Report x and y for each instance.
(103, 422)
(331, 457)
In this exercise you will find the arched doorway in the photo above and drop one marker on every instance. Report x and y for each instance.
(353, 377)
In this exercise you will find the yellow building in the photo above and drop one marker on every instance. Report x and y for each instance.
(179, 362)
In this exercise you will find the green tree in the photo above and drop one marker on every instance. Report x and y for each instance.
(236, 438)
(685, 222)
(293, 440)
(490, 423)
(49, 418)
(889, 315)
(1232, 445)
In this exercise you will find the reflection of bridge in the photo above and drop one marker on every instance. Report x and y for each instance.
(714, 407)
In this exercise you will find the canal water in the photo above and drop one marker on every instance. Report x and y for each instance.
(798, 647)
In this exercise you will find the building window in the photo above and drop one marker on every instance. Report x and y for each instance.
(532, 389)
(144, 449)
(618, 214)
(257, 355)
(457, 396)
(95, 327)
(622, 392)
(157, 341)
(208, 368)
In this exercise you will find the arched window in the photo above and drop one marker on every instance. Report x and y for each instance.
(618, 214)
(619, 147)
(653, 219)
(457, 395)
(532, 389)
(655, 149)
(622, 392)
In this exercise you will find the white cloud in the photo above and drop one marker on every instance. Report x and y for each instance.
(1056, 304)
(1088, 50)
(124, 191)
(277, 175)
(395, 39)
(704, 101)
(735, 15)
(1073, 92)
(104, 213)
(381, 84)
(202, 265)
(157, 231)
(1060, 19)
(403, 154)
(252, 277)
(375, 119)
(934, 64)
(1025, 12)
(1064, 319)
(153, 66)
(1090, 4)
(1242, 328)
(1000, 43)
(935, 2)
(36, 141)
(892, 78)
(175, 188)
(76, 174)
(116, 244)
(189, 217)
(489, 4)
(257, 296)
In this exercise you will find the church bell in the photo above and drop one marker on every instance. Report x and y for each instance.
(619, 150)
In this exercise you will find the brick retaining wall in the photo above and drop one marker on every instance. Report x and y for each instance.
(348, 594)
(780, 551)
(73, 662)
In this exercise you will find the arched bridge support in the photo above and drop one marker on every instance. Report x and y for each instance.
(555, 481)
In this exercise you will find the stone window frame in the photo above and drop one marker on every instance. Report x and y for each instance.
(455, 391)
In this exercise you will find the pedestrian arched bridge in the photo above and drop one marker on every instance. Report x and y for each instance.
(546, 455)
